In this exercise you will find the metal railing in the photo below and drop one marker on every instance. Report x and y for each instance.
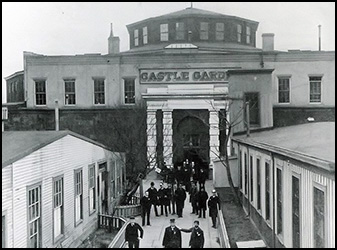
(222, 232)
(4, 113)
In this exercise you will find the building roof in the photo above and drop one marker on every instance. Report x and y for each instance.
(313, 143)
(14, 75)
(18, 144)
(188, 12)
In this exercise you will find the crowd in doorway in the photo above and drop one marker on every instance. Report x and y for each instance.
(177, 185)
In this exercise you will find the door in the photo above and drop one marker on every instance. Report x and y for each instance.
(254, 107)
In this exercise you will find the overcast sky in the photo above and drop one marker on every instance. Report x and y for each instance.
(77, 28)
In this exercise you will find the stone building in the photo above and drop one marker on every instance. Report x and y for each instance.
(183, 68)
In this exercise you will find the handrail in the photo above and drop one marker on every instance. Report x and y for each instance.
(222, 231)
(119, 240)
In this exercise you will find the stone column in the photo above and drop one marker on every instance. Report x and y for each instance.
(151, 138)
(214, 135)
(167, 137)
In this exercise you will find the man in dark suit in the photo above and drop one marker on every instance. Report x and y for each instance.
(197, 237)
(202, 178)
(180, 197)
(153, 194)
(214, 206)
(201, 198)
(172, 236)
(193, 198)
(146, 204)
(131, 233)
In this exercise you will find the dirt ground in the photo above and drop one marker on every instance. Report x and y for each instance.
(99, 239)
(239, 227)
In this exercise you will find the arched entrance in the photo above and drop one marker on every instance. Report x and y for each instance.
(191, 137)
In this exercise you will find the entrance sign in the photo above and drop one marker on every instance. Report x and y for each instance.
(151, 76)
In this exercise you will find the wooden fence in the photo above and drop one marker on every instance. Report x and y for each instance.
(222, 232)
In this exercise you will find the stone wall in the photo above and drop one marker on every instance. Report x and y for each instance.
(123, 130)
(291, 116)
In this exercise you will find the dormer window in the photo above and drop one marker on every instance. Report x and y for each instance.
(204, 31)
(145, 35)
(180, 31)
(248, 35)
(164, 32)
(239, 33)
(220, 31)
(136, 37)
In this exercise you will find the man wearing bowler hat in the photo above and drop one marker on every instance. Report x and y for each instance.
(172, 236)
(197, 237)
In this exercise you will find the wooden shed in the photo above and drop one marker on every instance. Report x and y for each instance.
(54, 185)
(287, 184)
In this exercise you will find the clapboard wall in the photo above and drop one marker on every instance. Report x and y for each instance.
(61, 157)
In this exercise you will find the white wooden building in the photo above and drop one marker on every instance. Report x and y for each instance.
(54, 185)
(287, 184)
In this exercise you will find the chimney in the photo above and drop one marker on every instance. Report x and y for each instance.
(268, 42)
(113, 42)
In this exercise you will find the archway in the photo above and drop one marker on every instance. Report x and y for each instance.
(191, 137)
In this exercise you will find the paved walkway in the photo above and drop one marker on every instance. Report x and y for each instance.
(153, 235)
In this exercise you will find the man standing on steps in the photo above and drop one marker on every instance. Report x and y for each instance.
(153, 194)
(146, 204)
(197, 237)
(180, 196)
(172, 236)
(214, 206)
(131, 233)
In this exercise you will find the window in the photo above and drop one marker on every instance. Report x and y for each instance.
(319, 218)
(99, 91)
(204, 31)
(220, 31)
(58, 208)
(3, 242)
(239, 33)
(240, 169)
(136, 37)
(296, 211)
(254, 111)
(248, 35)
(279, 201)
(92, 189)
(180, 31)
(34, 217)
(251, 179)
(246, 174)
(78, 197)
(40, 92)
(315, 88)
(119, 179)
(258, 195)
(164, 32)
(284, 90)
(69, 89)
(145, 39)
(267, 172)
(129, 91)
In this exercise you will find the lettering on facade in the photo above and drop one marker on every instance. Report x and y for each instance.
(183, 76)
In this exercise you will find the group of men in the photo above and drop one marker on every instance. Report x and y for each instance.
(184, 174)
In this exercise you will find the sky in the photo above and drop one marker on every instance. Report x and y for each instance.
(63, 28)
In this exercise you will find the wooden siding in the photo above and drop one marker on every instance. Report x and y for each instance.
(59, 158)
(7, 208)
(307, 181)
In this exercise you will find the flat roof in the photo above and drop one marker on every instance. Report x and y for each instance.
(18, 144)
(313, 143)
